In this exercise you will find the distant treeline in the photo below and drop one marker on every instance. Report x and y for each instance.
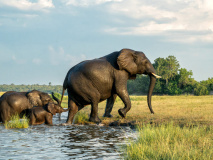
(23, 88)
(174, 81)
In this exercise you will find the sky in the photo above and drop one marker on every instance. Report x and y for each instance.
(40, 40)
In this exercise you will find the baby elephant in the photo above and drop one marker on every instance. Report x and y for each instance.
(40, 115)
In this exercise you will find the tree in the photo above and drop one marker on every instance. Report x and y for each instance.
(200, 90)
(184, 77)
(167, 68)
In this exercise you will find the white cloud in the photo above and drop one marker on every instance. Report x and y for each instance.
(27, 5)
(192, 19)
(58, 56)
(85, 3)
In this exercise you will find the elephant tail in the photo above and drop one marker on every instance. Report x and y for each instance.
(64, 88)
(62, 94)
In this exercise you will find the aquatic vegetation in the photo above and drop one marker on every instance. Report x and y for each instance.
(16, 122)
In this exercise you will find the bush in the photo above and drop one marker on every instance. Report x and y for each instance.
(200, 90)
(16, 122)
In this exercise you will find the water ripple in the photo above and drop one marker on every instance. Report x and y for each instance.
(63, 142)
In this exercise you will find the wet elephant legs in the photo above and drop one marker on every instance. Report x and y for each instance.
(73, 110)
(109, 104)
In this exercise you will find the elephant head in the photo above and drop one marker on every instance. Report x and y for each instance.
(135, 62)
(38, 98)
(55, 108)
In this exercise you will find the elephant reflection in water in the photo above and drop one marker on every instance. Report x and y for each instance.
(93, 81)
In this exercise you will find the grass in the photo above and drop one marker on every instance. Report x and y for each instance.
(169, 141)
(16, 122)
(81, 118)
(181, 127)
(179, 109)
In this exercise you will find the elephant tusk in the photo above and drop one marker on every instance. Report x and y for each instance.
(156, 75)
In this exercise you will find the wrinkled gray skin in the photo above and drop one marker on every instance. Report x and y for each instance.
(12, 102)
(93, 81)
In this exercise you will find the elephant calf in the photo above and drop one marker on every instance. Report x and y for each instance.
(40, 115)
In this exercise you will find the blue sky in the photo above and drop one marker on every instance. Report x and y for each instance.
(40, 40)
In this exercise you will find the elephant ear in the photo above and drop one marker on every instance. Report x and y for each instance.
(51, 108)
(126, 61)
(34, 98)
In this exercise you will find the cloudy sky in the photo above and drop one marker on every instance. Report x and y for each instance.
(40, 40)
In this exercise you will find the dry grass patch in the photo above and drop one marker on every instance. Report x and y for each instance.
(179, 109)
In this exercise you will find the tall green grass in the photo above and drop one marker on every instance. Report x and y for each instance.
(169, 141)
(16, 122)
(81, 118)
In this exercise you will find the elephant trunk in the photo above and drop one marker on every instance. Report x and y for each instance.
(65, 110)
(151, 88)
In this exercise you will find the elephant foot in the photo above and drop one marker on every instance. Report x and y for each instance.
(107, 115)
(94, 119)
(122, 113)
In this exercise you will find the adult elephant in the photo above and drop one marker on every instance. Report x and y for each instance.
(93, 81)
(12, 102)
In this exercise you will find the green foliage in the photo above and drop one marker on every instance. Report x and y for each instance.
(57, 95)
(139, 85)
(24, 88)
(200, 90)
(81, 118)
(172, 89)
(16, 122)
(169, 141)
(167, 67)
(174, 81)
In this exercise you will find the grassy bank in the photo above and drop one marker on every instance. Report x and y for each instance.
(181, 127)
(169, 141)
(179, 109)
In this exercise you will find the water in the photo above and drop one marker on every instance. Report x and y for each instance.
(64, 142)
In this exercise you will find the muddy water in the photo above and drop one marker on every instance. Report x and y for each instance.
(64, 142)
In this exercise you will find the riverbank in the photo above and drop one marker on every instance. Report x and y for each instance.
(181, 110)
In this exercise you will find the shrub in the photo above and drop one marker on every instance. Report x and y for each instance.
(16, 122)
(200, 90)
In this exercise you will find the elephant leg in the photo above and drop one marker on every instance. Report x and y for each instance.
(124, 95)
(73, 110)
(94, 113)
(49, 120)
(109, 105)
(5, 116)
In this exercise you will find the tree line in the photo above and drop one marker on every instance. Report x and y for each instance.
(24, 88)
(174, 81)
